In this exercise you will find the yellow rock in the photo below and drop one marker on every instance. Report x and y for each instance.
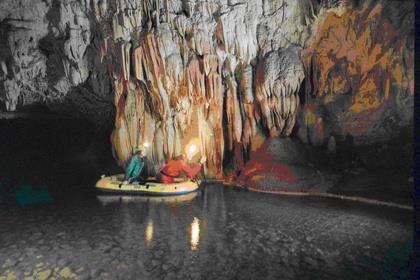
(43, 274)
(66, 273)
(309, 117)
(11, 276)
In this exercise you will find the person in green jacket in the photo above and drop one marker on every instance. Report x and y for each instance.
(134, 168)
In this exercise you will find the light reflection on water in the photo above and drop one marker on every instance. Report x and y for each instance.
(149, 232)
(157, 225)
(205, 232)
(171, 200)
(195, 233)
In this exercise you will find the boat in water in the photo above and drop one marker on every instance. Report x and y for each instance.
(115, 184)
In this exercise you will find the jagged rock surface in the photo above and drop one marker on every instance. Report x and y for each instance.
(49, 55)
(213, 70)
(227, 74)
(359, 70)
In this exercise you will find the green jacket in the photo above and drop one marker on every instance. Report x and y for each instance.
(134, 168)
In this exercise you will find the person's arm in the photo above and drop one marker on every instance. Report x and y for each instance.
(191, 172)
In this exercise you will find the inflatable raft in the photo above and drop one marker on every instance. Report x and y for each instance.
(114, 184)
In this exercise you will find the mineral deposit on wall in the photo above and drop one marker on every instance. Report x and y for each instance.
(225, 73)
(360, 72)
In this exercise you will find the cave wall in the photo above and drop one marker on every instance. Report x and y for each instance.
(227, 74)
(49, 56)
(359, 69)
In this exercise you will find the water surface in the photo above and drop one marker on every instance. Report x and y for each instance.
(217, 233)
(69, 231)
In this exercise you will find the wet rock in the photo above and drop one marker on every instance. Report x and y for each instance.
(282, 165)
(9, 262)
(43, 274)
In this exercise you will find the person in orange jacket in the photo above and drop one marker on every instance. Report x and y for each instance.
(176, 166)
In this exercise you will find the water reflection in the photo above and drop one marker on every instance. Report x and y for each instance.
(149, 232)
(220, 234)
(109, 199)
(195, 233)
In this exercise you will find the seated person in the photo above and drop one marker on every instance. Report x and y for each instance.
(134, 168)
(177, 165)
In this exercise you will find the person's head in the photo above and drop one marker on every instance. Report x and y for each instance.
(179, 157)
(139, 151)
(143, 153)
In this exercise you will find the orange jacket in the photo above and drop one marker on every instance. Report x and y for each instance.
(174, 168)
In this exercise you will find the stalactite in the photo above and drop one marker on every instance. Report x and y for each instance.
(222, 75)
(226, 74)
(279, 75)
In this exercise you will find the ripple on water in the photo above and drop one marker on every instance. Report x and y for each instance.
(255, 236)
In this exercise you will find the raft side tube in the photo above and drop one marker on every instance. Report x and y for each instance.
(114, 184)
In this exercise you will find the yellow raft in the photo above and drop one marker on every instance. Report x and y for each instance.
(114, 184)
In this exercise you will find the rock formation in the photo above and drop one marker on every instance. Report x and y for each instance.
(227, 74)
(49, 55)
(359, 69)
(215, 71)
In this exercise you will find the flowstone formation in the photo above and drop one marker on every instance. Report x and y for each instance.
(224, 74)
(359, 69)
